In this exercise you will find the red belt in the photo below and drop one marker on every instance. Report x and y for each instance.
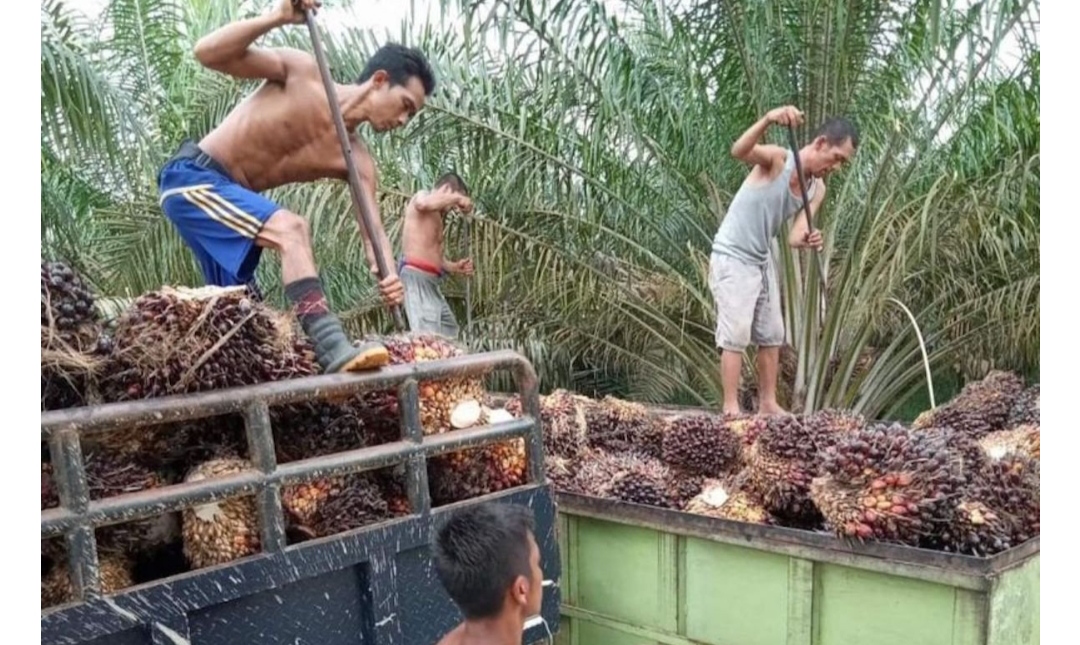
(421, 265)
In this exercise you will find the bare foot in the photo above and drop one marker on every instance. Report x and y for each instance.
(772, 409)
(732, 411)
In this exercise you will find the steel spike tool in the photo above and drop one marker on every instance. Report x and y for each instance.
(346, 150)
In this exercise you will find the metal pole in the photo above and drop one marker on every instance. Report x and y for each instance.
(468, 279)
(346, 150)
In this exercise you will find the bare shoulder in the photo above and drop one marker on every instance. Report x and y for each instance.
(453, 637)
(298, 61)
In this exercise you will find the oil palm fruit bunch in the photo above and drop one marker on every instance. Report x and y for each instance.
(747, 427)
(700, 444)
(726, 501)
(682, 487)
(437, 397)
(116, 573)
(180, 340)
(49, 496)
(834, 422)
(1025, 410)
(643, 480)
(67, 307)
(332, 505)
(109, 475)
(318, 428)
(976, 529)
(1010, 485)
(615, 424)
(561, 472)
(889, 483)
(562, 415)
(980, 408)
(477, 471)
(223, 531)
(782, 462)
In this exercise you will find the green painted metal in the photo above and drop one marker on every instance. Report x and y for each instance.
(639, 576)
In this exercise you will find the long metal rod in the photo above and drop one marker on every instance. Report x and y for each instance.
(806, 207)
(350, 164)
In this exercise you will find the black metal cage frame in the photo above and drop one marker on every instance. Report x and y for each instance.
(77, 517)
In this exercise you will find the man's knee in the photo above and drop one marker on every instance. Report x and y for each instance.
(286, 229)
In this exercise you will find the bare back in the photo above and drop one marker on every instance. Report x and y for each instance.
(283, 132)
(422, 234)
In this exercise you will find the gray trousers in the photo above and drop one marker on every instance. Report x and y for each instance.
(747, 303)
(425, 306)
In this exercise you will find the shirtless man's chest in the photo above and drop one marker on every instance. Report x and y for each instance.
(280, 135)
(422, 236)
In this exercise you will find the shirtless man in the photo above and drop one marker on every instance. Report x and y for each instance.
(742, 270)
(284, 133)
(422, 265)
(488, 561)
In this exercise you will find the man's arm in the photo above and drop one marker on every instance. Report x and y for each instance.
(797, 238)
(438, 200)
(365, 167)
(746, 148)
(228, 50)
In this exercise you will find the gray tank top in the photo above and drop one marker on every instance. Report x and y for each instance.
(755, 215)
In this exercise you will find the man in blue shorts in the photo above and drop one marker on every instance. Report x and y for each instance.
(284, 133)
(742, 269)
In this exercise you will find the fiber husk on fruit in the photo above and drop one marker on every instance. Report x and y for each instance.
(437, 397)
(332, 505)
(724, 500)
(615, 424)
(561, 472)
(700, 444)
(1021, 440)
(980, 408)
(1025, 410)
(477, 471)
(222, 531)
(115, 571)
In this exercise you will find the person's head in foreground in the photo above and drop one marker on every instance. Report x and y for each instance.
(488, 561)
(401, 79)
(833, 145)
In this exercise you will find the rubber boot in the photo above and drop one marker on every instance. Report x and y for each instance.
(336, 354)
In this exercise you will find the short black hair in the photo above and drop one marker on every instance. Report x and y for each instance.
(401, 63)
(454, 181)
(836, 129)
(479, 553)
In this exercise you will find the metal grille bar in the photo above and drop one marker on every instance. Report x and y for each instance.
(77, 517)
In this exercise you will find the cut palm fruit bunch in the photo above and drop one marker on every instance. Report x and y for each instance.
(890, 483)
(781, 464)
(980, 408)
(729, 502)
(614, 424)
(115, 571)
(222, 531)
(73, 342)
(701, 445)
(437, 397)
(562, 415)
(332, 505)
(1025, 410)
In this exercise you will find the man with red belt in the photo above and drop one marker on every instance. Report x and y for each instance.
(422, 266)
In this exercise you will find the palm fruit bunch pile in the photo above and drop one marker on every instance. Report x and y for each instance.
(782, 462)
(116, 573)
(437, 397)
(614, 424)
(888, 482)
(728, 500)
(701, 445)
(222, 531)
(178, 341)
(332, 505)
(72, 342)
(980, 408)
(633, 477)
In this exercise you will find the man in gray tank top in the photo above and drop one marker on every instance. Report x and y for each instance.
(742, 269)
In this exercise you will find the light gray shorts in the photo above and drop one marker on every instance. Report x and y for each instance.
(747, 303)
(425, 306)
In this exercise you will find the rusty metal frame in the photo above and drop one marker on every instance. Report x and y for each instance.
(77, 516)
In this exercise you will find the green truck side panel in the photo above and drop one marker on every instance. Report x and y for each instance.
(1014, 605)
(630, 585)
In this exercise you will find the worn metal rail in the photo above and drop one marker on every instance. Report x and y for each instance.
(77, 516)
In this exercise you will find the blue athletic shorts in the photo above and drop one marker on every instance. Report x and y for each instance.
(217, 218)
